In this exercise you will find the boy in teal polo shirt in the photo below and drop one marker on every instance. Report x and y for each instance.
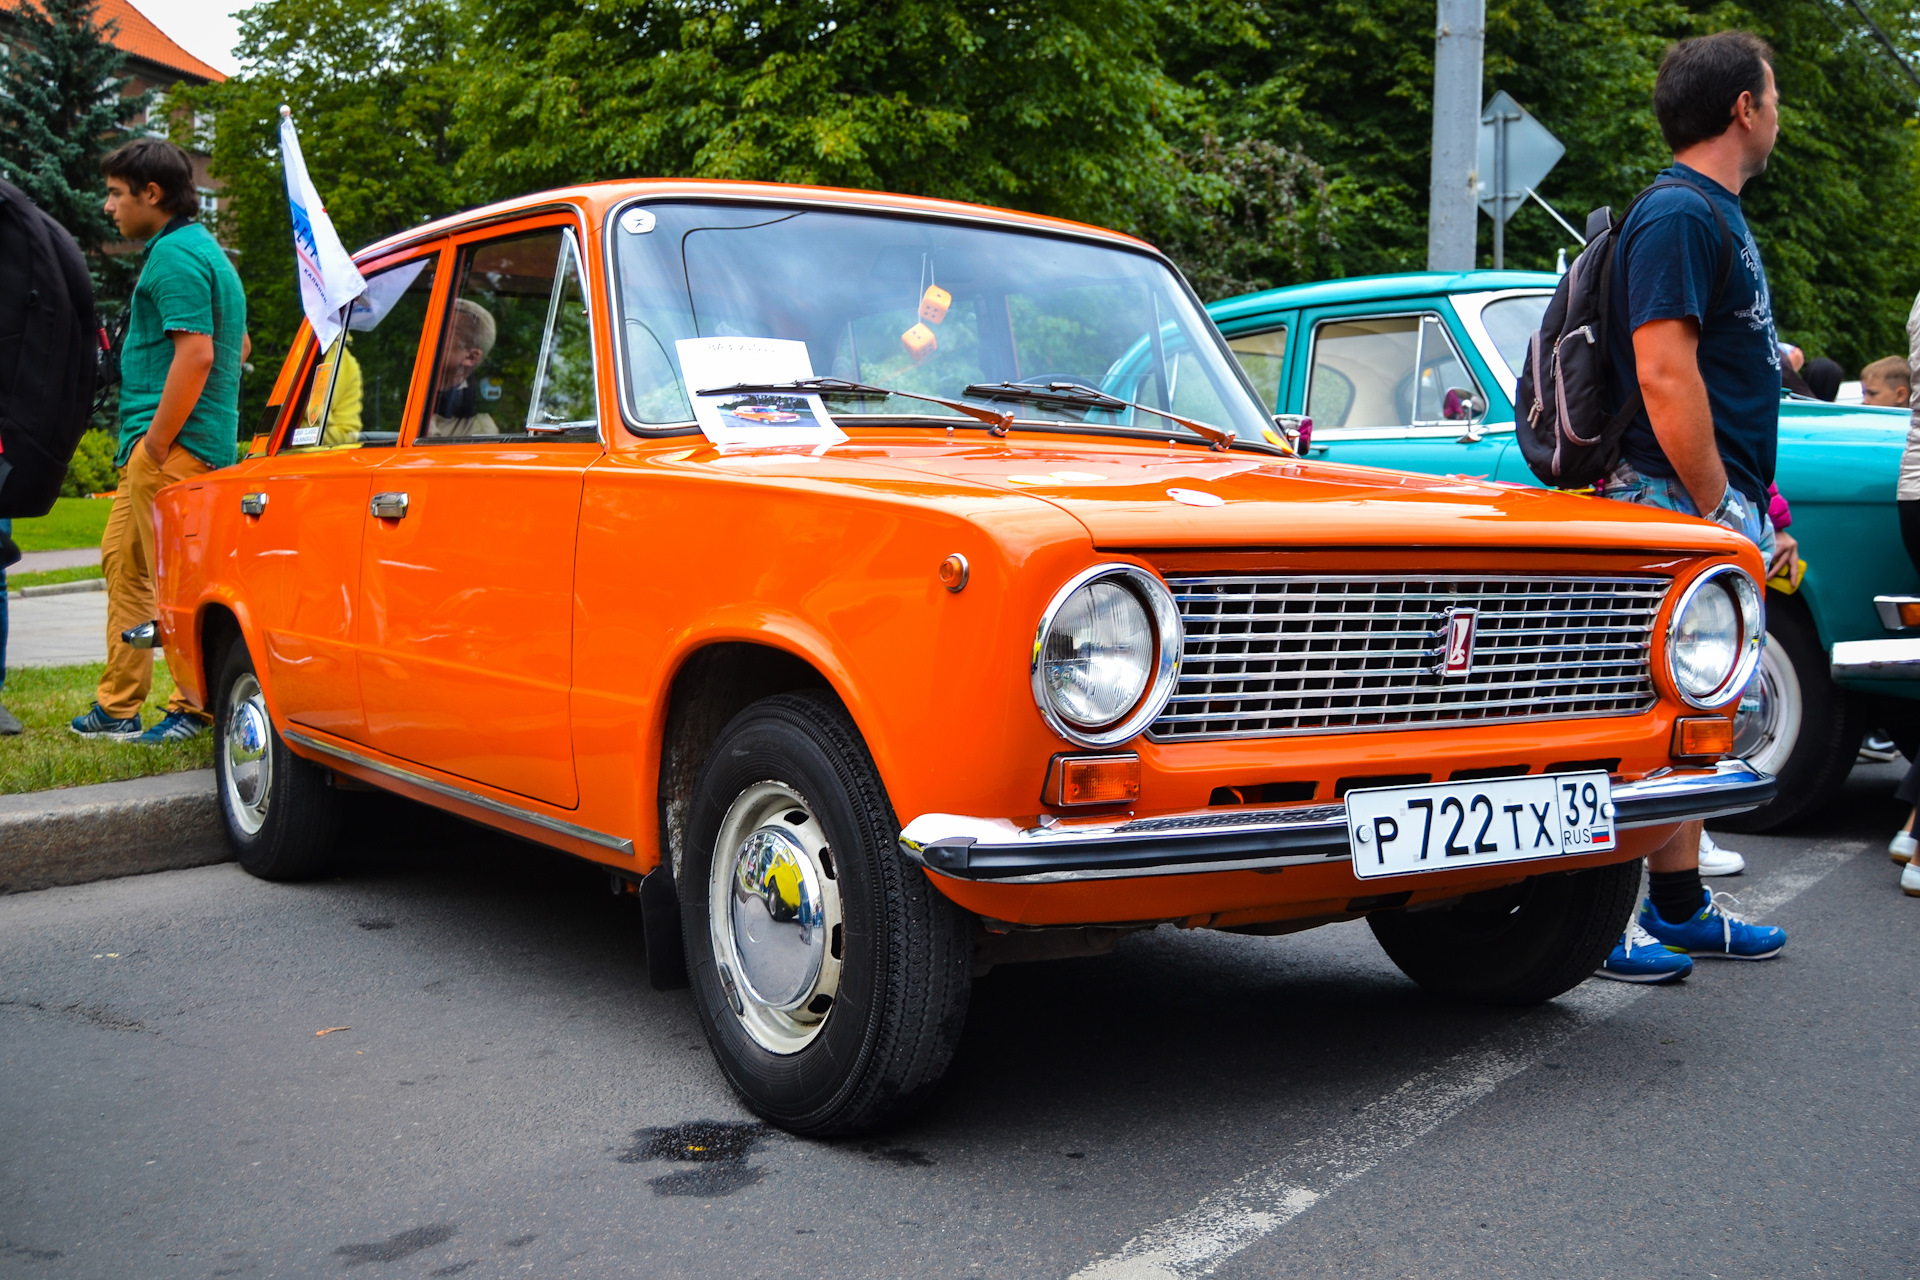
(179, 410)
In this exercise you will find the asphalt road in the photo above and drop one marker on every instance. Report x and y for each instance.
(506, 1095)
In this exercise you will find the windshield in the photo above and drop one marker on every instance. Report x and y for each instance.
(921, 306)
(1511, 322)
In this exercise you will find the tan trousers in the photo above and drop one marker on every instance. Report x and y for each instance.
(126, 562)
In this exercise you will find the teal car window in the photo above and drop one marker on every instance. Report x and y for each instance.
(1512, 322)
(1441, 370)
(1362, 373)
(1264, 357)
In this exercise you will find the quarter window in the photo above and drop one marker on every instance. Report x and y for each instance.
(1264, 357)
(1383, 371)
(356, 396)
(516, 352)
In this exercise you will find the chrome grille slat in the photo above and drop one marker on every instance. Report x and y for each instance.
(1267, 655)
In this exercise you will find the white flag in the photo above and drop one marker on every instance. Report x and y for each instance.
(328, 279)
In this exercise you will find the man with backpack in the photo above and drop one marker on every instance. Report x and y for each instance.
(1695, 367)
(179, 410)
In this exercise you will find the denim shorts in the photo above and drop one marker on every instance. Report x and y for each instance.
(1628, 485)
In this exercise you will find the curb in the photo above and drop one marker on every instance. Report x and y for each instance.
(75, 834)
(59, 589)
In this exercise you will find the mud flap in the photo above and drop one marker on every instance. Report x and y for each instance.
(660, 915)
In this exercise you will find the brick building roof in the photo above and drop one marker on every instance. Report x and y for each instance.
(136, 36)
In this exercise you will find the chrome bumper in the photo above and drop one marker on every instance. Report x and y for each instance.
(1877, 659)
(1000, 850)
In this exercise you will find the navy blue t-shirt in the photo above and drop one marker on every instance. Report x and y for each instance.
(1669, 255)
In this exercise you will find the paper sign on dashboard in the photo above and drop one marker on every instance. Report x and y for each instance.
(754, 418)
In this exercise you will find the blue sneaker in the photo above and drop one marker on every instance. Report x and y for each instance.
(175, 726)
(1715, 931)
(98, 724)
(1640, 957)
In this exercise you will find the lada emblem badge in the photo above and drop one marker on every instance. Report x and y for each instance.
(1458, 658)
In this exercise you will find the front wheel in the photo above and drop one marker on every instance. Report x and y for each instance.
(831, 977)
(1515, 946)
(1793, 722)
(280, 813)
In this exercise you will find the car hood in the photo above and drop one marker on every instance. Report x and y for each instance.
(1129, 496)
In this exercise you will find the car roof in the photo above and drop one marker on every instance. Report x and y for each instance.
(1405, 284)
(597, 199)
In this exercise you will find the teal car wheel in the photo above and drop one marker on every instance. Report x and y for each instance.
(1794, 722)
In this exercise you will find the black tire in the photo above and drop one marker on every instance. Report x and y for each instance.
(282, 826)
(1794, 687)
(900, 980)
(1515, 946)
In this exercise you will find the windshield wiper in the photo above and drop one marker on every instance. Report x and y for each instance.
(1073, 395)
(998, 423)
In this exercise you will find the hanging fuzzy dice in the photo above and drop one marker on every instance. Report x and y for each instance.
(934, 304)
(919, 342)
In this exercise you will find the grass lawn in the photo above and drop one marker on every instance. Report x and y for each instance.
(47, 577)
(73, 522)
(49, 755)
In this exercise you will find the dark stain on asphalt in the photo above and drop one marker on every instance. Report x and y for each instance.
(397, 1246)
(903, 1156)
(374, 924)
(24, 1251)
(718, 1150)
(455, 1268)
(94, 1015)
(518, 1242)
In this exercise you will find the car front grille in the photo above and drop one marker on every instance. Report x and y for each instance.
(1271, 654)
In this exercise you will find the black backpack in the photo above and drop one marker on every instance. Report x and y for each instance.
(49, 352)
(1560, 416)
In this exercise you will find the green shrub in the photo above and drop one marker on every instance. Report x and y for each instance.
(92, 469)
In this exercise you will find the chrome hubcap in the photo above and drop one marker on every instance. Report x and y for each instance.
(1768, 721)
(249, 762)
(774, 916)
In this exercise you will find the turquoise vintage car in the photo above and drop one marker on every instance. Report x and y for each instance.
(1417, 372)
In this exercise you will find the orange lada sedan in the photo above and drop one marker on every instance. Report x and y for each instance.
(1032, 629)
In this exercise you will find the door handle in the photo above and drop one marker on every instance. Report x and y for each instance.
(253, 504)
(388, 506)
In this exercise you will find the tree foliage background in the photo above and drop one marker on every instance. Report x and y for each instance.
(1261, 142)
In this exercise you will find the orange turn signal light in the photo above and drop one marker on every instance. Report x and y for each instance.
(1909, 613)
(1072, 780)
(1703, 736)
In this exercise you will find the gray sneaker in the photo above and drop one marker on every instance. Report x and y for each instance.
(9, 724)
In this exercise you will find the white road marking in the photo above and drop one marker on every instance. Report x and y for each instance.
(1259, 1203)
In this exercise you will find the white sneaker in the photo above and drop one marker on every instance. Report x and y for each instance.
(1910, 879)
(1715, 861)
(1902, 847)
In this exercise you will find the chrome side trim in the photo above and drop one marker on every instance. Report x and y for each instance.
(1877, 659)
(1888, 607)
(556, 825)
(1249, 839)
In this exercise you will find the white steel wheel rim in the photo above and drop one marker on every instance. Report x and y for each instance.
(773, 917)
(246, 747)
(1771, 711)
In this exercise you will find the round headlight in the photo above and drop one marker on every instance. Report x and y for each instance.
(1714, 638)
(1106, 654)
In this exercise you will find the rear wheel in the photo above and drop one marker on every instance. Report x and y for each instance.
(831, 977)
(1794, 722)
(280, 813)
(1519, 945)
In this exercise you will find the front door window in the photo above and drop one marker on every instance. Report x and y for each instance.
(1373, 372)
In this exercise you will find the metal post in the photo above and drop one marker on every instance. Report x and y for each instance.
(1499, 190)
(1453, 217)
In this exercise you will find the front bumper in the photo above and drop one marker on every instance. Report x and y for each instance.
(999, 850)
(1877, 659)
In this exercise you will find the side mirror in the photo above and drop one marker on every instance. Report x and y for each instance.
(1461, 405)
(1296, 429)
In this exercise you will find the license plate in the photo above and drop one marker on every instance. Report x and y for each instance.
(1395, 831)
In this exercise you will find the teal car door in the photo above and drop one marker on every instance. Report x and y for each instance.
(1393, 385)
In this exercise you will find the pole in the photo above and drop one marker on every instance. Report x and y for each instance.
(1453, 215)
(1499, 190)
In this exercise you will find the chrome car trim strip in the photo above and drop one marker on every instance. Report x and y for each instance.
(558, 826)
(1877, 659)
(1246, 839)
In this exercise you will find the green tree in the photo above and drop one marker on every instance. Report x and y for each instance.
(371, 84)
(63, 106)
(1055, 106)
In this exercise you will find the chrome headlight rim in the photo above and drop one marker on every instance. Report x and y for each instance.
(1169, 638)
(1750, 602)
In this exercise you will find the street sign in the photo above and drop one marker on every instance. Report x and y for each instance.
(1516, 152)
